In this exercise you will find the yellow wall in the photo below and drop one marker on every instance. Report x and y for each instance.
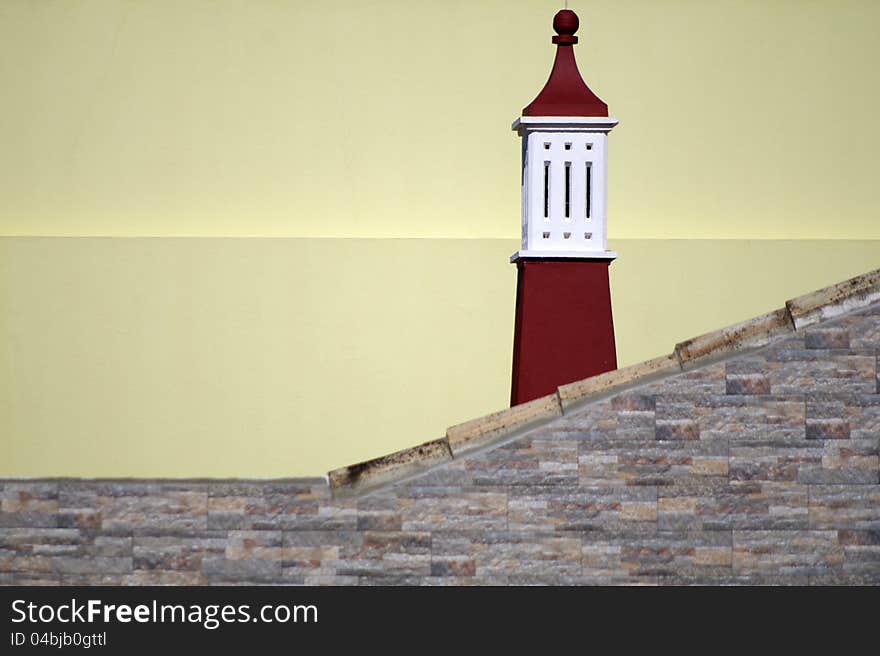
(739, 119)
(295, 122)
(279, 357)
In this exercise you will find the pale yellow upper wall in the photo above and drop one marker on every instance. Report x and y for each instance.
(745, 119)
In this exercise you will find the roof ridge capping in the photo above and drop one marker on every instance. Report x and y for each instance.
(476, 433)
(389, 469)
(798, 313)
(722, 343)
(835, 300)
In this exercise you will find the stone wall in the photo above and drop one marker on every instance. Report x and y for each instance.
(761, 469)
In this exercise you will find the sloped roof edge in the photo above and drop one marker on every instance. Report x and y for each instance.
(797, 313)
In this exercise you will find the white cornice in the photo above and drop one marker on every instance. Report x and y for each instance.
(563, 123)
(566, 255)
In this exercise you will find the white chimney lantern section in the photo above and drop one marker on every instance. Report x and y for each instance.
(564, 186)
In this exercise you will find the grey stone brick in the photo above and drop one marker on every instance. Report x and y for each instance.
(662, 555)
(221, 570)
(433, 509)
(96, 565)
(853, 507)
(786, 553)
(725, 505)
(177, 551)
(554, 508)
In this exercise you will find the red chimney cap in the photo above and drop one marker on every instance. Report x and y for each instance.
(566, 93)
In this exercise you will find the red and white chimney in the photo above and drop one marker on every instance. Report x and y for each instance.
(564, 329)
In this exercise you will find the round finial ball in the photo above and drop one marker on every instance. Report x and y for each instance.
(566, 22)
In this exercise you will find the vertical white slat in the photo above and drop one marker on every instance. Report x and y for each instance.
(578, 197)
(536, 190)
(557, 192)
(524, 194)
(599, 193)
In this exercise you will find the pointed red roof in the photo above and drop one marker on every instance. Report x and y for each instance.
(566, 93)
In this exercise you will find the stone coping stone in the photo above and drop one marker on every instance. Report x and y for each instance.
(596, 387)
(390, 468)
(486, 430)
(718, 344)
(835, 300)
